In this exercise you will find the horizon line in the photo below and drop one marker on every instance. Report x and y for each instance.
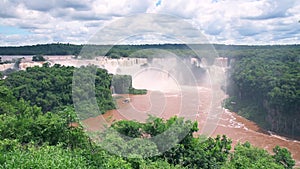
(141, 44)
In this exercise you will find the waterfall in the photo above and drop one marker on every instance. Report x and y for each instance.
(112, 89)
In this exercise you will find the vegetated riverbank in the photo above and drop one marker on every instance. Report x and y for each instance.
(213, 120)
(171, 104)
(265, 88)
(234, 126)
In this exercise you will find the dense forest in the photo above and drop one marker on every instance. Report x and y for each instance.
(50, 88)
(42, 49)
(264, 86)
(35, 130)
(131, 50)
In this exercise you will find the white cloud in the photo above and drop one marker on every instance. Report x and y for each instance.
(162, 28)
(223, 21)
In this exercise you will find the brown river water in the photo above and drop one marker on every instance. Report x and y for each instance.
(201, 103)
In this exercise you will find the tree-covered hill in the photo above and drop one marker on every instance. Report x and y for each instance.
(265, 87)
(51, 87)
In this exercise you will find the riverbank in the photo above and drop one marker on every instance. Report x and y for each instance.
(202, 103)
(229, 123)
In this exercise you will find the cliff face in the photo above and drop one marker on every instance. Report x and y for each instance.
(280, 122)
(275, 118)
(266, 88)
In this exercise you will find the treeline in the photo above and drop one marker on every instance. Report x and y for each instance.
(265, 87)
(71, 49)
(116, 51)
(90, 51)
(42, 49)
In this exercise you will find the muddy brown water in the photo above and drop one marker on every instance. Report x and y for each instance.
(201, 103)
(234, 126)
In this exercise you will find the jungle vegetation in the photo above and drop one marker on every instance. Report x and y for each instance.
(264, 86)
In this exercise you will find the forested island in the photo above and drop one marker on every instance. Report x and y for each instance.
(37, 109)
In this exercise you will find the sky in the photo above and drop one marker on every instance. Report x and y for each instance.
(247, 22)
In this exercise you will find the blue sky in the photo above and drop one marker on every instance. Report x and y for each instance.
(158, 3)
(11, 30)
(252, 22)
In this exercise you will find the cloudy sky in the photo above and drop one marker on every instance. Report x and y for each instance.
(26, 22)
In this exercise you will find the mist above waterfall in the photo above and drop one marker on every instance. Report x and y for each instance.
(155, 80)
(160, 71)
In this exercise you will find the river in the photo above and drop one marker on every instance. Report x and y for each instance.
(166, 98)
